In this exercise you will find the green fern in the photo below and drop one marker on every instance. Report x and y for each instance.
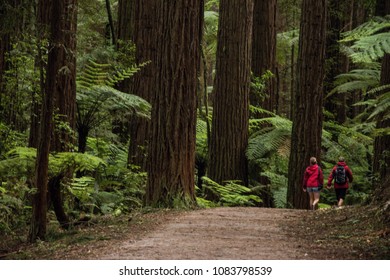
(271, 138)
(357, 80)
(96, 93)
(104, 74)
(371, 40)
(21, 162)
(230, 194)
(381, 105)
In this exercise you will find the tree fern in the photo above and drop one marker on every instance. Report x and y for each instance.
(270, 138)
(357, 80)
(382, 104)
(231, 193)
(96, 92)
(20, 162)
(371, 40)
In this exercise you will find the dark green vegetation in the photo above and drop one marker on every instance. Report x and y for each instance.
(112, 109)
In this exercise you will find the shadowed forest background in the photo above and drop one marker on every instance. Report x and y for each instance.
(112, 107)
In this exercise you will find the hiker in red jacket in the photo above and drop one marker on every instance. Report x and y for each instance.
(341, 174)
(312, 182)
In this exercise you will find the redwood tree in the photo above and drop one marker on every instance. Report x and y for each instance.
(307, 102)
(39, 207)
(229, 132)
(171, 153)
(264, 49)
(263, 59)
(64, 102)
(146, 38)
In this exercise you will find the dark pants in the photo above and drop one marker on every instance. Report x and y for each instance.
(340, 193)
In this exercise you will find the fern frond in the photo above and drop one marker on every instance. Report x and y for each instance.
(263, 144)
(356, 80)
(259, 110)
(231, 193)
(125, 101)
(371, 48)
(371, 40)
(382, 106)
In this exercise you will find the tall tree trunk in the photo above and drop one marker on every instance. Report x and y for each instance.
(146, 39)
(65, 94)
(65, 103)
(229, 131)
(38, 223)
(264, 49)
(263, 59)
(307, 102)
(42, 33)
(171, 158)
(111, 22)
(335, 60)
(126, 19)
(125, 34)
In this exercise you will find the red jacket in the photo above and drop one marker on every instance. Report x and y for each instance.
(348, 173)
(313, 177)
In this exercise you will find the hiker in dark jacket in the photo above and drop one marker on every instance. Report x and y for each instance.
(312, 182)
(341, 174)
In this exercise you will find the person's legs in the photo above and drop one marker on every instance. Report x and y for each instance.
(341, 197)
(311, 197)
(316, 199)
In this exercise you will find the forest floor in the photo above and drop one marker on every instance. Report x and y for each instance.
(218, 233)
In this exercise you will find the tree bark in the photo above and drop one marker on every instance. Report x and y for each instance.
(171, 155)
(264, 49)
(263, 59)
(146, 39)
(65, 103)
(38, 223)
(42, 33)
(308, 99)
(229, 131)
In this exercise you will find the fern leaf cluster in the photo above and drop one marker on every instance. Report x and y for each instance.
(96, 92)
(229, 194)
(20, 162)
(274, 136)
(104, 74)
(371, 40)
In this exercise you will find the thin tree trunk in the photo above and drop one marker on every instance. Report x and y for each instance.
(65, 103)
(38, 223)
(111, 22)
(42, 31)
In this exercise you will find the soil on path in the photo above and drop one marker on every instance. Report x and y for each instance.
(218, 233)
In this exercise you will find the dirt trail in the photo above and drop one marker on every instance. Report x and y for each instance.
(218, 233)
